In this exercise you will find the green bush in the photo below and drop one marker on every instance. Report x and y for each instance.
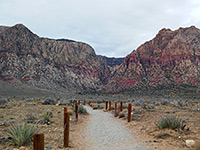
(22, 134)
(171, 122)
(47, 115)
(81, 109)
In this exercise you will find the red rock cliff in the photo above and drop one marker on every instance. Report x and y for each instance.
(171, 58)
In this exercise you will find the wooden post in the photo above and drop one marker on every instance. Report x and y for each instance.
(115, 109)
(89, 102)
(75, 102)
(76, 110)
(129, 112)
(66, 129)
(79, 102)
(121, 106)
(84, 102)
(38, 142)
(65, 110)
(106, 105)
(109, 105)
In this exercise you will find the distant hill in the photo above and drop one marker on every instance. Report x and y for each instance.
(112, 61)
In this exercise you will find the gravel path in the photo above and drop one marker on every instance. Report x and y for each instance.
(103, 132)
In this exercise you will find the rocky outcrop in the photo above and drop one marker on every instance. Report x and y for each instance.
(172, 58)
(60, 65)
(112, 61)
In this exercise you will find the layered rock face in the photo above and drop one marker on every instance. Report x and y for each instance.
(172, 58)
(61, 65)
(112, 61)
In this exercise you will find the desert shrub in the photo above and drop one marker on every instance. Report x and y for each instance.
(171, 122)
(30, 117)
(125, 106)
(47, 115)
(2, 106)
(22, 134)
(81, 109)
(121, 115)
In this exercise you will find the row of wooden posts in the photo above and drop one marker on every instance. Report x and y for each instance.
(38, 139)
(119, 109)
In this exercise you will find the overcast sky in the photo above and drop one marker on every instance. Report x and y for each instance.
(111, 27)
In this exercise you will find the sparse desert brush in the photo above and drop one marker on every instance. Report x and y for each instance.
(30, 117)
(121, 115)
(170, 122)
(2, 106)
(47, 115)
(22, 134)
(124, 106)
(81, 109)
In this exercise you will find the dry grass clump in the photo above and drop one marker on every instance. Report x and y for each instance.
(170, 122)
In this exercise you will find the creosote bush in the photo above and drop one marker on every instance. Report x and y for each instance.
(170, 122)
(22, 134)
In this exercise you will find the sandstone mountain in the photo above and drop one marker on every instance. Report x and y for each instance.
(58, 65)
(112, 61)
(171, 59)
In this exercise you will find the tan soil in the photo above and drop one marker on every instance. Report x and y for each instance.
(18, 109)
(146, 129)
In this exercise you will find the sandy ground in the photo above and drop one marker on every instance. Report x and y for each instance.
(142, 126)
(16, 111)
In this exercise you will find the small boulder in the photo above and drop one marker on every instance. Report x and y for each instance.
(49, 102)
(190, 143)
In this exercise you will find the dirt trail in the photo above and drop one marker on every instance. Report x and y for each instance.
(103, 132)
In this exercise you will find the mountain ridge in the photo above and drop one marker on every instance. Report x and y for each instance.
(171, 58)
(50, 64)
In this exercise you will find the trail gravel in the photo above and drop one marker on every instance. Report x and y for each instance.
(104, 132)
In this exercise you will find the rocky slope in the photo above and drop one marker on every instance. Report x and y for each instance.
(112, 61)
(60, 65)
(171, 59)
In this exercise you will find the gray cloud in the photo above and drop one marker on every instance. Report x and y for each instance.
(112, 27)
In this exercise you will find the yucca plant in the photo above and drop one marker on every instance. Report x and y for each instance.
(171, 122)
(22, 134)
